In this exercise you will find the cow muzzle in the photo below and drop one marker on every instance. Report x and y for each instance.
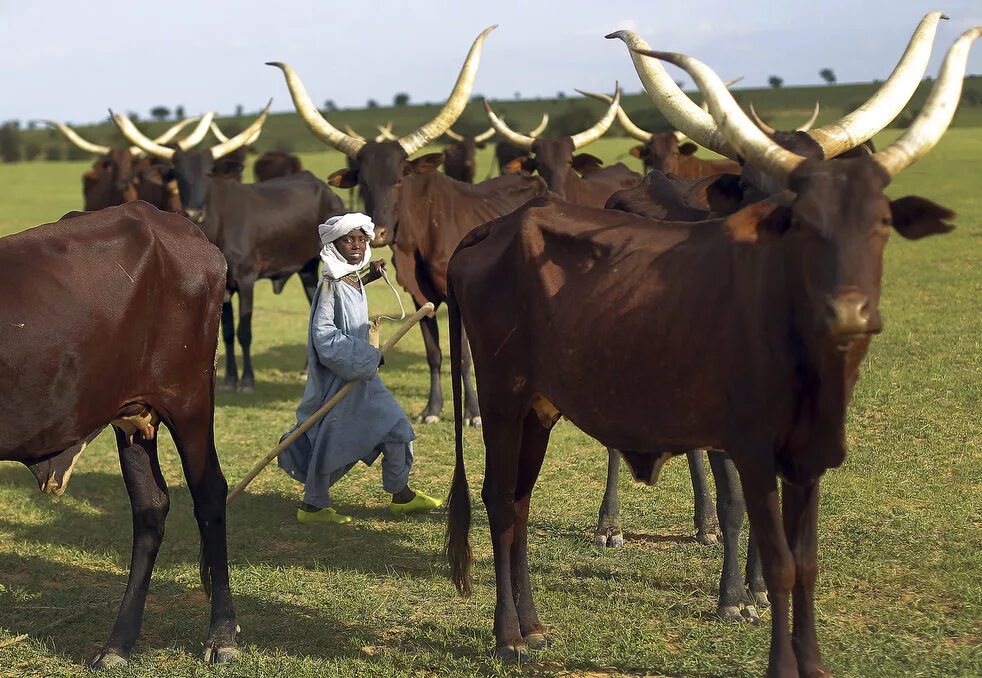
(381, 238)
(851, 313)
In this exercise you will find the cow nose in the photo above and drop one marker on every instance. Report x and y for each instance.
(381, 237)
(851, 313)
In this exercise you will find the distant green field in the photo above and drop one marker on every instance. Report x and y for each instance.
(900, 529)
(783, 108)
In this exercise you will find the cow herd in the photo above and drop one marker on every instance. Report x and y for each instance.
(575, 290)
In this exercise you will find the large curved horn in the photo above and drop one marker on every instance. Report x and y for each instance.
(456, 102)
(456, 137)
(741, 133)
(352, 133)
(599, 128)
(198, 135)
(888, 101)
(244, 137)
(174, 130)
(136, 137)
(541, 128)
(937, 112)
(222, 137)
(511, 136)
(628, 124)
(673, 103)
(484, 136)
(811, 121)
(316, 123)
(761, 125)
(74, 137)
(385, 133)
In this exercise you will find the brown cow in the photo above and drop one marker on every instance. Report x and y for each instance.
(460, 158)
(120, 328)
(795, 290)
(435, 213)
(382, 168)
(577, 178)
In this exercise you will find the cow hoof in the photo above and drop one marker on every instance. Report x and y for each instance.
(610, 539)
(106, 660)
(246, 387)
(474, 422)
(750, 614)
(512, 654)
(221, 655)
(730, 613)
(760, 599)
(707, 538)
(430, 419)
(226, 386)
(537, 641)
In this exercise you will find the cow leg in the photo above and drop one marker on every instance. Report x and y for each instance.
(608, 531)
(535, 440)
(434, 357)
(801, 530)
(193, 432)
(308, 276)
(502, 438)
(755, 574)
(149, 502)
(248, 383)
(472, 410)
(777, 561)
(228, 337)
(730, 509)
(706, 524)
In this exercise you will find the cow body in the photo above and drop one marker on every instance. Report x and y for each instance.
(265, 230)
(460, 160)
(274, 164)
(149, 285)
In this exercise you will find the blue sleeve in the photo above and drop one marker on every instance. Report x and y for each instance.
(350, 358)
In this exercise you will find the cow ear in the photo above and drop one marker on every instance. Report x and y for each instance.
(688, 148)
(761, 222)
(584, 163)
(915, 217)
(425, 164)
(637, 151)
(519, 164)
(480, 145)
(344, 178)
(725, 194)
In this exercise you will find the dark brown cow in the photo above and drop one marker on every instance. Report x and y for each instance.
(435, 213)
(460, 158)
(116, 176)
(272, 164)
(120, 328)
(505, 154)
(795, 290)
(555, 162)
(382, 168)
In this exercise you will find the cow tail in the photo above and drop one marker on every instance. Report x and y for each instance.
(456, 542)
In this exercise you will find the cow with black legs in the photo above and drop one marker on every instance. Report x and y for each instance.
(265, 230)
(795, 290)
(150, 285)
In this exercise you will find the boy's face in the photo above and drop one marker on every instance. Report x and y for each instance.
(352, 246)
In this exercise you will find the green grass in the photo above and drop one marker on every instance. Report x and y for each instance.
(901, 529)
(783, 108)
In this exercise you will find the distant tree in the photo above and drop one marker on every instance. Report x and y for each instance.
(560, 95)
(32, 124)
(775, 82)
(53, 153)
(400, 99)
(32, 150)
(372, 103)
(179, 113)
(159, 112)
(239, 110)
(828, 75)
(133, 115)
(330, 106)
(518, 95)
(10, 141)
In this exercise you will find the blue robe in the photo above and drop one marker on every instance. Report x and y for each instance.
(366, 422)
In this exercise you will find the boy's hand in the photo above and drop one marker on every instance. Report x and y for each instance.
(376, 268)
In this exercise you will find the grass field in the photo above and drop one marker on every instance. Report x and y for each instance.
(900, 592)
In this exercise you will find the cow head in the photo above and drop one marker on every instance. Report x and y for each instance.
(192, 168)
(834, 219)
(553, 159)
(382, 164)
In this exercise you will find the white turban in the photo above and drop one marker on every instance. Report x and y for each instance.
(336, 266)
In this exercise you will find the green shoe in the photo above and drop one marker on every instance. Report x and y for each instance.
(421, 502)
(328, 515)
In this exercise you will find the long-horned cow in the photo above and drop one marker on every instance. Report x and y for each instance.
(795, 290)
(382, 170)
(265, 230)
(460, 158)
(120, 175)
(555, 161)
(148, 284)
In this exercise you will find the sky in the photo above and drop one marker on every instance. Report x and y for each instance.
(71, 60)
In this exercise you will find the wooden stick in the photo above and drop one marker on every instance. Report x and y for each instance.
(426, 310)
